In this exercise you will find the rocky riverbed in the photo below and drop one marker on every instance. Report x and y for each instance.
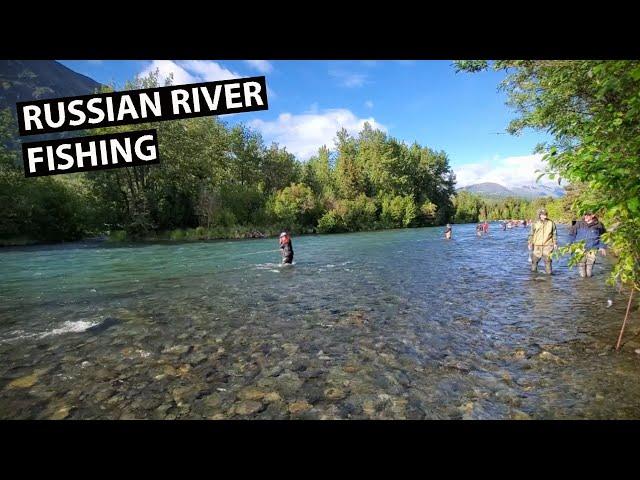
(384, 325)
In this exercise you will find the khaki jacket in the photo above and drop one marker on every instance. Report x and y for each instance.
(543, 234)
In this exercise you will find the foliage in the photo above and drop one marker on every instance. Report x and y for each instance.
(295, 205)
(214, 179)
(592, 109)
(398, 211)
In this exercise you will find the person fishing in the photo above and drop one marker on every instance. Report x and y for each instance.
(589, 230)
(543, 240)
(479, 229)
(286, 248)
(447, 232)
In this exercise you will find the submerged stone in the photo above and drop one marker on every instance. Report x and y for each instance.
(299, 407)
(24, 382)
(248, 407)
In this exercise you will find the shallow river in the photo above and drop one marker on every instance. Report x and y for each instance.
(396, 324)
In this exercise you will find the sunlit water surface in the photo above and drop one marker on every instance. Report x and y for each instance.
(384, 325)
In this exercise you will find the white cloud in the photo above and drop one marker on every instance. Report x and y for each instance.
(190, 71)
(303, 134)
(508, 172)
(261, 66)
(349, 79)
(207, 70)
(368, 104)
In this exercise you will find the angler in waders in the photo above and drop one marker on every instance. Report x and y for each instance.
(543, 240)
(286, 248)
(588, 231)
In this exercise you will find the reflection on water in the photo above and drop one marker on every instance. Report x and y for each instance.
(386, 325)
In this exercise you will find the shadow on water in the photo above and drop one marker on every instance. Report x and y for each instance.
(391, 324)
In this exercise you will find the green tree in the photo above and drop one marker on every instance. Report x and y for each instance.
(295, 206)
(592, 109)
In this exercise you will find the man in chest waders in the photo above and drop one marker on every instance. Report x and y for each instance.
(543, 240)
(286, 248)
(588, 231)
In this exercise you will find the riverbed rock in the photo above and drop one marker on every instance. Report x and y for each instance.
(548, 356)
(399, 407)
(58, 410)
(169, 371)
(178, 349)
(520, 354)
(467, 410)
(197, 358)
(290, 348)
(251, 393)
(248, 407)
(180, 394)
(272, 397)
(299, 407)
(288, 383)
(520, 415)
(334, 393)
(506, 378)
(27, 381)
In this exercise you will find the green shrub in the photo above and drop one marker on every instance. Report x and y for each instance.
(177, 234)
(225, 218)
(398, 211)
(118, 236)
(295, 205)
(359, 213)
(331, 222)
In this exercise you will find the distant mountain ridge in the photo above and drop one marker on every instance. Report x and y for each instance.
(495, 190)
(24, 80)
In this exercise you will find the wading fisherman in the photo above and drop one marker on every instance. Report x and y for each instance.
(286, 248)
(447, 232)
(543, 240)
(588, 231)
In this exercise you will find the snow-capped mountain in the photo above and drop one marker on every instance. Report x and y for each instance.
(534, 190)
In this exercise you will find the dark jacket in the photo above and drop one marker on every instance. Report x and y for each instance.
(287, 250)
(589, 233)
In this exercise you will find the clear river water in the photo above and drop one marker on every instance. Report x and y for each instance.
(398, 324)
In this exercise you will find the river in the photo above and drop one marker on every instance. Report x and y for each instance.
(398, 324)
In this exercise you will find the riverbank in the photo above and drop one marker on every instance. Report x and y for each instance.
(237, 232)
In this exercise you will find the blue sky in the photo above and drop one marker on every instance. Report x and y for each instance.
(424, 101)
